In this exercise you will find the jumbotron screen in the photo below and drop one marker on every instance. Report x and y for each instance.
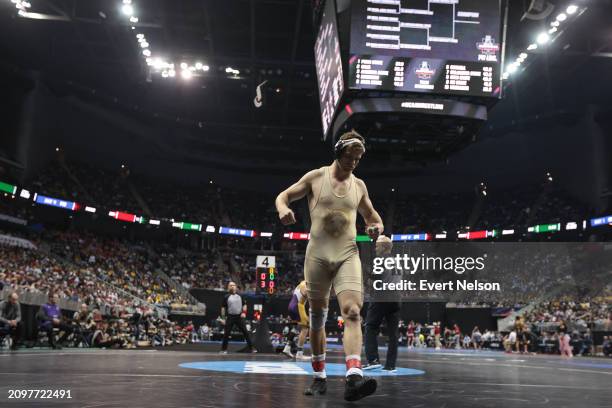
(430, 46)
(329, 65)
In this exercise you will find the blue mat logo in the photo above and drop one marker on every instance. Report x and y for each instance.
(286, 368)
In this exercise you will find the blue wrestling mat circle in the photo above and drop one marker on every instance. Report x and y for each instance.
(287, 368)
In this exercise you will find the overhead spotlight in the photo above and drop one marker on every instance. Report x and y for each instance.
(512, 68)
(532, 47)
(146, 53)
(172, 73)
(543, 38)
(198, 65)
(205, 67)
(484, 193)
(144, 44)
(393, 190)
(571, 9)
(127, 9)
(555, 24)
(186, 74)
(127, 1)
(149, 60)
(229, 70)
(134, 19)
(523, 55)
(158, 63)
(184, 65)
(57, 149)
(210, 181)
(562, 17)
(278, 90)
(123, 166)
(506, 75)
(552, 30)
(165, 74)
(140, 36)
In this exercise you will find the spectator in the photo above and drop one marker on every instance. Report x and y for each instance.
(10, 319)
(49, 317)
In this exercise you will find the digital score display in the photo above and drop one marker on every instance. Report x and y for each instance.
(329, 65)
(447, 47)
(266, 274)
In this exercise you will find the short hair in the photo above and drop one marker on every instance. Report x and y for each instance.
(352, 135)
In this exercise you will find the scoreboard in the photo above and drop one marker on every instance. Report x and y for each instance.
(406, 49)
(448, 47)
(266, 274)
(329, 65)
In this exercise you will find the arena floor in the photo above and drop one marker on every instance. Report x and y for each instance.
(174, 378)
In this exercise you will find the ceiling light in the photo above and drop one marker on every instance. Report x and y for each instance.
(134, 19)
(571, 9)
(562, 17)
(184, 65)
(532, 47)
(186, 74)
(127, 9)
(146, 53)
(543, 38)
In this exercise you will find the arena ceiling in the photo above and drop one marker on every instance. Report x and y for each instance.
(88, 49)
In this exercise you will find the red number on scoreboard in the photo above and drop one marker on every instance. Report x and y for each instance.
(263, 284)
(271, 290)
(271, 284)
(262, 276)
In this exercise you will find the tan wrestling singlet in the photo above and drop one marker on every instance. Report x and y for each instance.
(332, 256)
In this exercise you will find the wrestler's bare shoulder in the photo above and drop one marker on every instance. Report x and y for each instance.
(315, 174)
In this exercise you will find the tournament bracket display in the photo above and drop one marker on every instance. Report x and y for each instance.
(426, 46)
(385, 67)
(266, 274)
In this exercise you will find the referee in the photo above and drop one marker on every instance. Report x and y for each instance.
(383, 306)
(234, 311)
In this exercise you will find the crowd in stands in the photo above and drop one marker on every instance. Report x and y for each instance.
(125, 275)
(30, 270)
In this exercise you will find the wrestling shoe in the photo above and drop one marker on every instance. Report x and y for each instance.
(318, 387)
(301, 357)
(358, 387)
(390, 370)
(287, 351)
